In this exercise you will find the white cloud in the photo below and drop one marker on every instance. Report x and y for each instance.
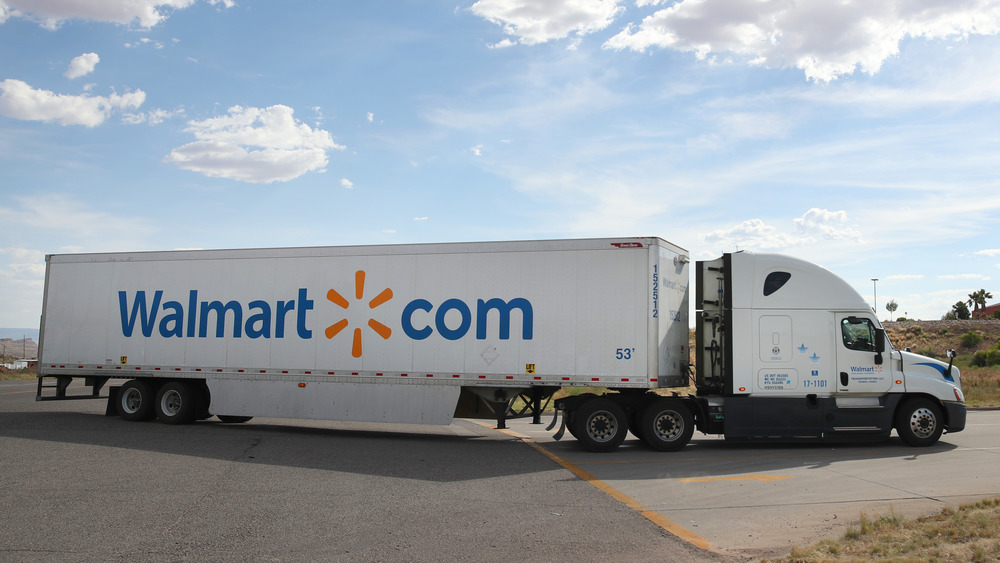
(991, 252)
(756, 234)
(82, 65)
(824, 39)
(256, 145)
(477, 150)
(903, 277)
(144, 41)
(91, 230)
(964, 277)
(152, 117)
(50, 14)
(24, 263)
(538, 22)
(752, 233)
(347, 183)
(424, 218)
(828, 224)
(370, 117)
(18, 100)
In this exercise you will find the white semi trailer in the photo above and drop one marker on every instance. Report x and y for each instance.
(424, 333)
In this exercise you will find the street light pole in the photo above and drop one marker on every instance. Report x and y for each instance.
(875, 295)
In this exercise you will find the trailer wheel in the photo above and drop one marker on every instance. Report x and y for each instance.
(177, 402)
(135, 401)
(919, 422)
(601, 425)
(233, 419)
(666, 425)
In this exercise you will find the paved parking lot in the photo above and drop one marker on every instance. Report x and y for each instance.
(83, 486)
(754, 499)
(79, 486)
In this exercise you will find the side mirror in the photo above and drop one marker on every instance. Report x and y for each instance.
(879, 345)
(951, 359)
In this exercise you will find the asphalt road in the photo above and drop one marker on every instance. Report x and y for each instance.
(79, 486)
(756, 500)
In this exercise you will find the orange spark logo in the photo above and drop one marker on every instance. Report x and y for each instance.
(359, 293)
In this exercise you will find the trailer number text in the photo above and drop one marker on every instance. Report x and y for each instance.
(624, 353)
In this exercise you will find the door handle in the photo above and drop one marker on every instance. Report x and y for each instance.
(843, 379)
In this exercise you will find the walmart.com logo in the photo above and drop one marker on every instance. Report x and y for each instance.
(289, 315)
(359, 294)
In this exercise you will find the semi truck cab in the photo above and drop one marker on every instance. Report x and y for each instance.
(786, 349)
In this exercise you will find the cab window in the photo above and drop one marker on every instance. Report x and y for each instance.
(774, 281)
(858, 334)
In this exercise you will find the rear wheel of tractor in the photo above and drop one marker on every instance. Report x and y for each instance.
(919, 422)
(601, 425)
(135, 400)
(666, 425)
(178, 402)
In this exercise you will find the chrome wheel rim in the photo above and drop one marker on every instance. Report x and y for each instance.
(668, 426)
(923, 423)
(170, 404)
(131, 401)
(602, 426)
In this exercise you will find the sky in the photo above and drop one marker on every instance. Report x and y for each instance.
(863, 136)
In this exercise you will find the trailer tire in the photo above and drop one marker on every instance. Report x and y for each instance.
(919, 422)
(666, 425)
(233, 419)
(178, 402)
(135, 401)
(601, 425)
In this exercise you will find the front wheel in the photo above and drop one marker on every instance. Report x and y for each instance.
(601, 425)
(666, 425)
(919, 422)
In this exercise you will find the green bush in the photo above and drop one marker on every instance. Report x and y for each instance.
(971, 339)
(985, 358)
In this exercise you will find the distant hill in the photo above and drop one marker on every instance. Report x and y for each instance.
(19, 333)
(20, 348)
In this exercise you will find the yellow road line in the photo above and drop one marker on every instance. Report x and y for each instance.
(653, 516)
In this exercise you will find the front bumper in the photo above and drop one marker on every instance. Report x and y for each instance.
(955, 413)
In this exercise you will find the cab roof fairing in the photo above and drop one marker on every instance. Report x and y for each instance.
(809, 287)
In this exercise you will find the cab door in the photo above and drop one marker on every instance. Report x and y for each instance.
(863, 364)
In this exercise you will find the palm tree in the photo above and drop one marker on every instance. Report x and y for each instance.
(891, 306)
(978, 299)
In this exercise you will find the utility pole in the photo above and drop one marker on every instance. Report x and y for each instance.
(875, 294)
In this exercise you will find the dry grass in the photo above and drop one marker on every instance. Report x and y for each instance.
(17, 374)
(969, 533)
(981, 385)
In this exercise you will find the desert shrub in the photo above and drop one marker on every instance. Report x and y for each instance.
(985, 358)
(971, 339)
